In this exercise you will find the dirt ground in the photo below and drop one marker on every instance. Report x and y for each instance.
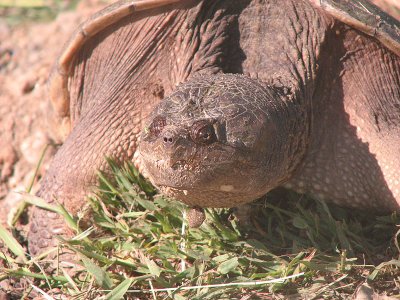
(27, 52)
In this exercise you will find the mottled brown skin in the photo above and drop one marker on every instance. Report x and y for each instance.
(221, 140)
(323, 115)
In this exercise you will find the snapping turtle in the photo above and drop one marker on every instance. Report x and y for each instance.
(256, 94)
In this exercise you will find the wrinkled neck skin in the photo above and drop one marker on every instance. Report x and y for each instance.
(256, 141)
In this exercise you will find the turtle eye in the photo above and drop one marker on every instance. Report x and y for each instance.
(157, 126)
(202, 132)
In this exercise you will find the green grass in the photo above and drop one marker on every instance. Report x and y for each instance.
(135, 247)
(14, 12)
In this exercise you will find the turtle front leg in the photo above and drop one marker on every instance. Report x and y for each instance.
(73, 171)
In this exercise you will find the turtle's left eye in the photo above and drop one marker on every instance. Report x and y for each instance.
(157, 126)
(202, 132)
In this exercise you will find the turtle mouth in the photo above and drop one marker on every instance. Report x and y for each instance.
(170, 174)
(169, 164)
(205, 197)
(171, 189)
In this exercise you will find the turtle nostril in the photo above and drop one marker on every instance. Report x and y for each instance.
(168, 138)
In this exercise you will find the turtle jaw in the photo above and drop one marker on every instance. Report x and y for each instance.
(181, 172)
(208, 198)
(228, 183)
(201, 185)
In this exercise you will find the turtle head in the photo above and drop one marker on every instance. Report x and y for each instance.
(216, 141)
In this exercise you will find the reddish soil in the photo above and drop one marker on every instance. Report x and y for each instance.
(27, 53)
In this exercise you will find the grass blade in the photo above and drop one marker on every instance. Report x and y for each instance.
(12, 243)
(39, 202)
(228, 266)
(98, 273)
(120, 290)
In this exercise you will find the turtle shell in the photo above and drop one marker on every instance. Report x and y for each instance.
(358, 14)
(365, 17)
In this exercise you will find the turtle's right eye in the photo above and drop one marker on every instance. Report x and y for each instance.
(202, 132)
(157, 126)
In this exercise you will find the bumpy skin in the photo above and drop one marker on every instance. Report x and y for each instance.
(222, 140)
(317, 109)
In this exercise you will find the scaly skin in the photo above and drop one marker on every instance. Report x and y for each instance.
(255, 137)
(317, 109)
